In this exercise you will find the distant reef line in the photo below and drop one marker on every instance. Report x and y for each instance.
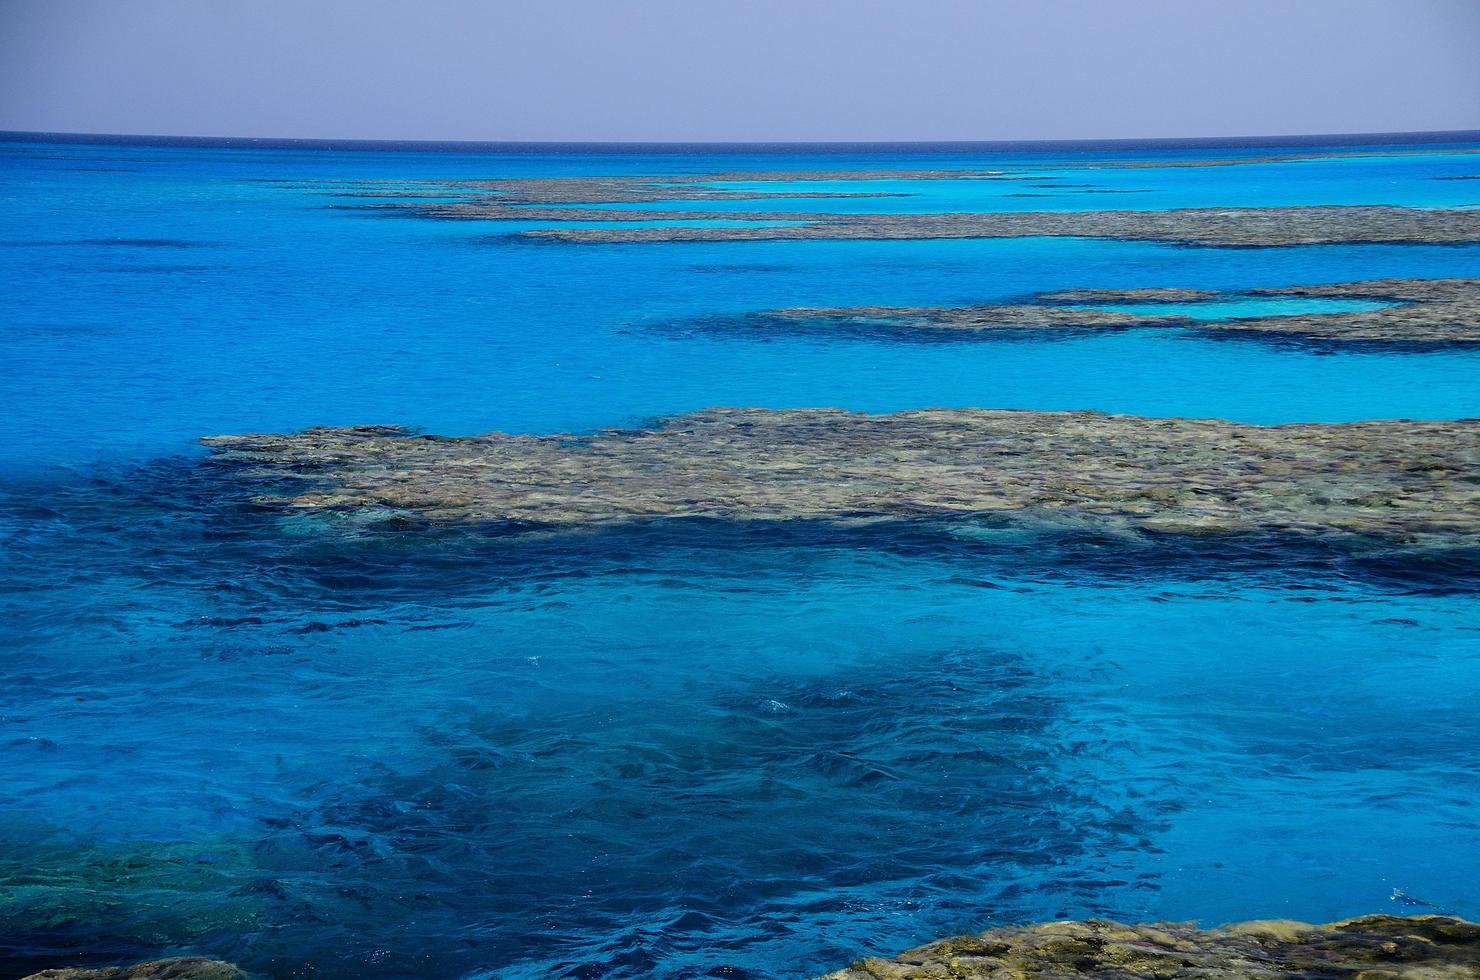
(609, 199)
(1212, 227)
(688, 186)
(1373, 947)
(174, 968)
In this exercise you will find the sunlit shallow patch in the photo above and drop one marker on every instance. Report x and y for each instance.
(1398, 314)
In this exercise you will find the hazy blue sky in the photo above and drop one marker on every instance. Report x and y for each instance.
(739, 69)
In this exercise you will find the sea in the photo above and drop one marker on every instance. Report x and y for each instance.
(680, 749)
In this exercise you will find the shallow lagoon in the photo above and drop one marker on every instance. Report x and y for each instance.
(191, 295)
(1409, 179)
(1241, 308)
(662, 751)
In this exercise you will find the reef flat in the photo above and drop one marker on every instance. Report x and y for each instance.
(940, 321)
(570, 198)
(1374, 947)
(635, 189)
(1150, 294)
(1221, 227)
(1409, 482)
(1438, 311)
(1212, 227)
(697, 187)
(178, 968)
(1422, 313)
(579, 199)
(584, 199)
(618, 189)
(1262, 158)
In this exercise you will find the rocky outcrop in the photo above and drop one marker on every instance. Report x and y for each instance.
(1423, 312)
(1374, 947)
(1401, 481)
(178, 968)
(619, 189)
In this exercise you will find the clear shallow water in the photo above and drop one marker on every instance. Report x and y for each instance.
(662, 751)
(1245, 308)
(170, 292)
(1410, 179)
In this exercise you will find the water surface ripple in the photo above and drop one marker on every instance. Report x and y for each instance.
(681, 749)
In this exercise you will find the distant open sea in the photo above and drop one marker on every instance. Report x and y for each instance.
(676, 751)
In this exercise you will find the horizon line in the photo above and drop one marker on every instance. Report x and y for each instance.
(353, 143)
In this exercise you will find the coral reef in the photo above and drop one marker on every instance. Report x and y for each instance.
(178, 968)
(1154, 294)
(1225, 227)
(569, 198)
(1402, 481)
(1374, 947)
(1003, 318)
(1423, 312)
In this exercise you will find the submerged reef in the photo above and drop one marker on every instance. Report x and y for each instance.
(1353, 152)
(1423, 312)
(1409, 482)
(1153, 294)
(521, 191)
(177, 968)
(1220, 227)
(1373, 947)
(940, 322)
(1213, 227)
(1437, 311)
(571, 199)
(628, 189)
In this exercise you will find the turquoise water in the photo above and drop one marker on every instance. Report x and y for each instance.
(668, 751)
(1244, 308)
(1410, 179)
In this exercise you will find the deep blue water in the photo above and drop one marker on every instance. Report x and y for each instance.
(664, 751)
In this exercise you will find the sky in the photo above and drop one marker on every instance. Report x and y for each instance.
(739, 70)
